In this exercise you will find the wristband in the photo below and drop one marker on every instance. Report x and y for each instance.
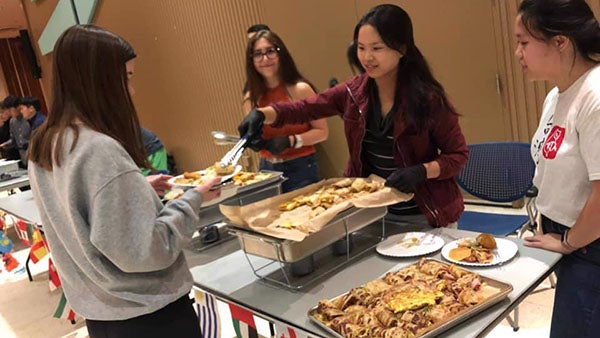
(298, 141)
(565, 242)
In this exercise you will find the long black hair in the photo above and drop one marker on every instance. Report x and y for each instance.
(395, 28)
(574, 19)
(288, 72)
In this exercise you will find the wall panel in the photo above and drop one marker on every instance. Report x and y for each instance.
(190, 68)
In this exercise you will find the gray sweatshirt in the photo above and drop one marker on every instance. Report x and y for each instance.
(117, 250)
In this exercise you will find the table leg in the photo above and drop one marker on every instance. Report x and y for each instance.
(27, 268)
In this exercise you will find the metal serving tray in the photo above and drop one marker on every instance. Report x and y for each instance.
(434, 330)
(288, 251)
(245, 195)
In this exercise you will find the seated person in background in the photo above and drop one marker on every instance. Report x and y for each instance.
(20, 130)
(157, 155)
(30, 108)
(9, 153)
(272, 77)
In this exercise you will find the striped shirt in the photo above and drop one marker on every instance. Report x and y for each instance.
(378, 150)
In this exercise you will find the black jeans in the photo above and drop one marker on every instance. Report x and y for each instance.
(301, 171)
(576, 311)
(176, 319)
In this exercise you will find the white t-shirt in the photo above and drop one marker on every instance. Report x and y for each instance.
(570, 156)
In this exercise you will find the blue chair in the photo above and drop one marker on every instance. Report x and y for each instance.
(499, 172)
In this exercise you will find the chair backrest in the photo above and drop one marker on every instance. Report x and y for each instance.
(498, 171)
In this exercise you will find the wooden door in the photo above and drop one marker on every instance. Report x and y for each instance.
(18, 76)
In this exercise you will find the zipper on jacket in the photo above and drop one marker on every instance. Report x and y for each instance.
(362, 137)
(433, 211)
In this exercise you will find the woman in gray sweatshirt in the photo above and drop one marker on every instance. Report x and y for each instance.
(117, 249)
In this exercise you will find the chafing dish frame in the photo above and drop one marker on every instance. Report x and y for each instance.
(281, 252)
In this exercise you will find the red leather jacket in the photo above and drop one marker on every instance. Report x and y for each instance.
(439, 199)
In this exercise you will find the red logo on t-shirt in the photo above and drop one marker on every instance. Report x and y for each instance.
(553, 142)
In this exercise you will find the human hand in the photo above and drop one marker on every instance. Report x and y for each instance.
(159, 183)
(407, 179)
(252, 125)
(257, 145)
(277, 145)
(205, 189)
(549, 241)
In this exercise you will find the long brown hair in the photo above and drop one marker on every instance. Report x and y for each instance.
(89, 86)
(288, 72)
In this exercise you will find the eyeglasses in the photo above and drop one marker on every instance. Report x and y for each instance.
(270, 53)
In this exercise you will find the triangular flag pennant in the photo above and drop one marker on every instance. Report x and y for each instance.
(24, 232)
(38, 248)
(284, 331)
(54, 281)
(208, 314)
(243, 322)
(63, 310)
(10, 263)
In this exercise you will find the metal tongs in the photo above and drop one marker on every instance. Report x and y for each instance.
(231, 158)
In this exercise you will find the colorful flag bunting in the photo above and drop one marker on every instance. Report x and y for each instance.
(243, 322)
(64, 310)
(25, 232)
(38, 248)
(54, 281)
(284, 331)
(208, 314)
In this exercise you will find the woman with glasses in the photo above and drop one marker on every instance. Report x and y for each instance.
(559, 41)
(398, 121)
(272, 77)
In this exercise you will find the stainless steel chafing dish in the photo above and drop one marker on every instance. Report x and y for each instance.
(288, 251)
(213, 229)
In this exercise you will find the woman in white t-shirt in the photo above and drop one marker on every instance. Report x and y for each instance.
(558, 41)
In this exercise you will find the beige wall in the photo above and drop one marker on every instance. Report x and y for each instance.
(12, 18)
(190, 65)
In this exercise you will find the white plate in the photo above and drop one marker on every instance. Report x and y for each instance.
(236, 170)
(399, 245)
(505, 250)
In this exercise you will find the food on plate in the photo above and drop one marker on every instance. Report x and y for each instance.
(223, 170)
(405, 303)
(487, 241)
(409, 242)
(479, 250)
(460, 253)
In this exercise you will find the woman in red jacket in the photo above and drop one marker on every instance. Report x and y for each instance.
(397, 119)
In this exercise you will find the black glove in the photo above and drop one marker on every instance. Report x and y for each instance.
(407, 179)
(252, 125)
(257, 145)
(277, 145)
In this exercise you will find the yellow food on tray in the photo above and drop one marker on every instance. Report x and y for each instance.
(244, 178)
(479, 250)
(328, 195)
(405, 303)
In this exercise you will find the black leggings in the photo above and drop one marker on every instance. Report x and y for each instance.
(177, 318)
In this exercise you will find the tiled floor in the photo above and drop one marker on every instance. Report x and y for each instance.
(26, 307)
